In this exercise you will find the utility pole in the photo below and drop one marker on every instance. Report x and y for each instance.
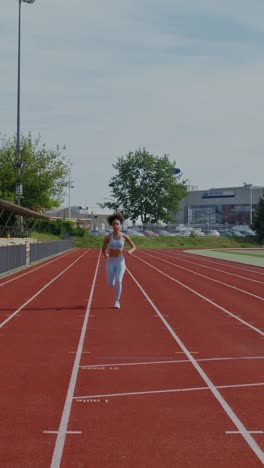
(19, 162)
(70, 186)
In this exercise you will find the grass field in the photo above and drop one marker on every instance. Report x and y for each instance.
(175, 242)
(45, 236)
(248, 253)
(250, 257)
(162, 242)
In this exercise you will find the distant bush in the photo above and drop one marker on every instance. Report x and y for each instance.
(59, 227)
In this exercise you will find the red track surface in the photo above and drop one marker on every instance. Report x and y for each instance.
(160, 383)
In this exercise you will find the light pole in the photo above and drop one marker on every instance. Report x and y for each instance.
(19, 185)
(250, 214)
(70, 187)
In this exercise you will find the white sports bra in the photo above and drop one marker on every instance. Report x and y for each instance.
(116, 244)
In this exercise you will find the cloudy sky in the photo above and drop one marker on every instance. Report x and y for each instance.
(182, 77)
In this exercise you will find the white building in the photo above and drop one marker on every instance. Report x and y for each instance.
(82, 217)
(219, 206)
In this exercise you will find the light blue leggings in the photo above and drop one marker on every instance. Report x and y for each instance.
(115, 269)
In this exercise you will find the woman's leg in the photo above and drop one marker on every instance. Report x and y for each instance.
(119, 273)
(110, 272)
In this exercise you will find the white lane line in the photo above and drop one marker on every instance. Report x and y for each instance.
(171, 390)
(68, 432)
(60, 440)
(206, 277)
(225, 263)
(250, 432)
(210, 261)
(260, 332)
(88, 366)
(131, 364)
(32, 270)
(148, 392)
(39, 292)
(199, 265)
(226, 407)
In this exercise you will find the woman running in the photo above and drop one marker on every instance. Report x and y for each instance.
(113, 251)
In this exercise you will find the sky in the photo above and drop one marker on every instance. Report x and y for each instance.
(181, 77)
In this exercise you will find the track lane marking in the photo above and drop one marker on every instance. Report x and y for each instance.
(68, 432)
(225, 263)
(90, 366)
(206, 277)
(61, 436)
(260, 332)
(226, 407)
(170, 390)
(211, 268)
(39, 292)
(147, 392)
(210, 260)
(250, 432)
(32, 269)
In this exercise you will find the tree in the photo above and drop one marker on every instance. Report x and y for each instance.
(258, 220)
(44, 172)
(146, 187)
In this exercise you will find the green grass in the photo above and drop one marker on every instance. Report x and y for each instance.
(45, 236)
(174, 242)
(248, 253)
(245, 256)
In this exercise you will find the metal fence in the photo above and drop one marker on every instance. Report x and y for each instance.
(12, 257)
(46, 249)
(16, 256)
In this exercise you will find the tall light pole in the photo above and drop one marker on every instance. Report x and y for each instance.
(19, 185)
(250, 214)
(70, 186)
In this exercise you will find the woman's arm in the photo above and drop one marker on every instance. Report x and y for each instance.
(131, 243)
(105, 244)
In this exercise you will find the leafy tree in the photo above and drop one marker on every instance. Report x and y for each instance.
(58, 227)
(258, 220)
(146, 186)
(44, 172)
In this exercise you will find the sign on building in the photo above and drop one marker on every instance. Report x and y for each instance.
(218, 194)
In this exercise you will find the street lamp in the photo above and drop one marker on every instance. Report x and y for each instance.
(19, 185)
(176, 171)
(70, 187)
(251, 207)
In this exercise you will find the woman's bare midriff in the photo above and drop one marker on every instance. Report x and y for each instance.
(115, 252)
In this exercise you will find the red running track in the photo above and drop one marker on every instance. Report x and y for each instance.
(175, 378)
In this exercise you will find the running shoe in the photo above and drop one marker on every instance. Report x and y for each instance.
(117, 305)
